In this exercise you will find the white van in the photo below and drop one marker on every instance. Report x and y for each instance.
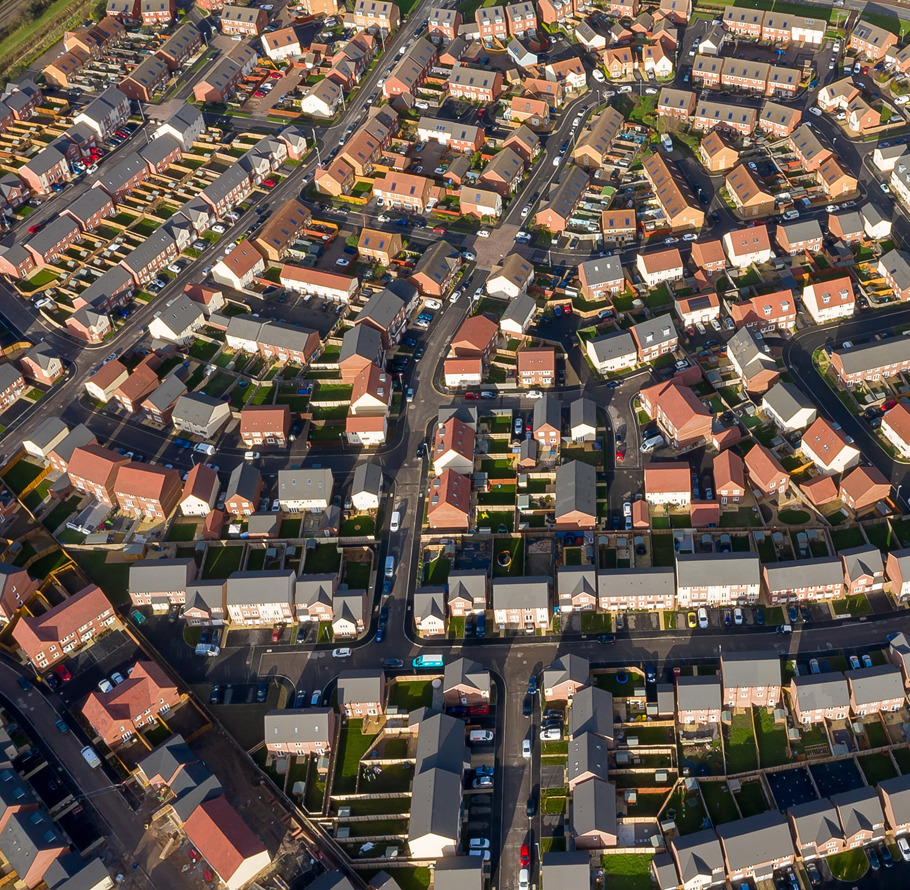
(480, 735)
(204, 448)
(396, 522)
(651, 442)
(91, 758)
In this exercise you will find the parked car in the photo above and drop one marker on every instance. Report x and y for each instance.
(703, 618)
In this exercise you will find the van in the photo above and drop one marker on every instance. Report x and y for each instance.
(480, 735)
(91, 758)
(389, 566)
(203, 448)
(396, 522)
(651, 442)
(785, 629)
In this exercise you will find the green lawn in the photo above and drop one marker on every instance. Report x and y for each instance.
(686, 810)
(844, 538)
(203, 350)
(60, 514)
(849, 865)
(437, 571)
(409, 878)
(352, 745)
(739, 744)
(794, 517)
(771, 738)
(222, 561)
(751, 800)
(357, 526)
(627, 871)
(719, 801)
(902, 758)
(877, 767)
(876, 734)
(853, 605)
(357, 575)
(881, 536)
(20, 474)
(322, 559)
(412, 695)
(516, 567)
(182, 531)
(113, 578)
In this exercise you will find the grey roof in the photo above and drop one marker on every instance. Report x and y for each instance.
(244, 482)
(92, 875)
(755, 840)
(786, 400)
(305, 484)
(98, 109)
(656, 330)
(658, 581)
(521, 593)
(698, 693)
(692, 569)
(564, 197)
(160, 575)
(157, 150)
(348, 604)
(897, 791)
(743, 348)
(197, 408)
(9, 374)
(816, 822)
(471, 583)
(582, 412)
(171, 388)
(78, 436)
(260, 587)
(449, 129)
(666, 698)
(382, 309)
(207, 596)
(591, 713)
(588, 753)
(520, 310)
(298, 725)
(859, 809)
(180, 313)
(864, 560)
(872, 215)
(165, 759)
(566, 870)
(46, 159)
(429, 602)
(312, 589)
(51, 429)
(158, 243)
(24, 837)
(384, 881)
(151, 72)
(357, 686)
(802, 230)
(194, 786)
(742, 669)
(88, 203)
(576, 489)
(180, 41)
(117, 177)
(548, 410)
(613, 346)
(218, 190)
(185, 119)
(113, 281)
(809, 573)
(699, 855)
(464, 672)
(55, 231)
(663, 866)
(363, 340)
(850, 221)
(815, 691)
(573, 580)
(45, 356)
(367, 478)
(567, 668)
(594, 807)
(897, 264)
(879, 683)
(13, 791)
(438, 263)
(333, 880)
(877, 354)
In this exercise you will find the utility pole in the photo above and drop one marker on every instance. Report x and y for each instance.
(316, 144)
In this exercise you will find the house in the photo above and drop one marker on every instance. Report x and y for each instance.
(897, 571)
(896, 428)
(660, 266)
(436, 270)
(835, 181)
(375, 16)
(449, 504)
(667, 484)
(747, 246)
(371, 395)
(366, 487)
(479, 202)
(260, 598)
(200, 491)
(778, 121)
(299, 732)
(676, 104)
(717, 153)
(754, 847)
(529, 112)
(146, 693)
(612, 352)
(146, 80)
(200, 415)
(576, 495)
(679, 413)
(592, 147)
(698, 700)
(60, 454)
(525, 142)
(430, 611)
(547, 422)
(314, 597)
(41, 363)
(361, 693)
(582, 420)
(226, 843)
(380, 246)
(875, 690)
(590, 714)
(674, 197)
(861, 816)
(157, 13)
(107, 113)
(46, 437)
(93, 469)
(565, 869)
(491, 24)
(894, 267)
(265, 425)
(619, 227)
(510, 277)
(476, 338)
(562, 199)
(848, 227)
(467, 592)
(816, 829)
(767, 312)
(804, 580)
(536, 366)
(749, 196)
(827, 447)
(729, 478)
(594, 815)
(709, 256)
(830, 300)
(819, 697)
(521, 603)
(160, 583)
(717, 579)
(766, 473)
(750, 679)
(863, 488)
(147, 492)
(699, 859)
(725, 116)
(281, 44)
(894, 796)
(243, 490)
(757, 370)
(138, 385)
(620, 62)
(654, 337)
(870, 41)
(789, 408)
(305, 490)
(475, 84)
(240, 268)
(588, 755)
(648, 589)
(178, 321)
(871, 361)
(466, 682)
(454, 447)
(864, 569)
(33, 845)
(576, 589)
(387, 312)
(444, 24)
(243, 21)
(899, 652)
(601, 277)
(518, 316)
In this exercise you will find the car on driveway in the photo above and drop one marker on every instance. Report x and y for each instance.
(703, 618)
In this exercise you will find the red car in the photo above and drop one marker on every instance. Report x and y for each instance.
(620, 453)
(35, 227)
(567, 309)
(269, 183)
(259, 94)
(891, 403)
(276, 75)
(479, 709)
(472, 396)
(439, 230)
(525, 856)
(276, 633)
(63, 673)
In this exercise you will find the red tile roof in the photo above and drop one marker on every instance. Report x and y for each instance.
(33, 634)
(267, 419)
(144, 481)
(95, 463)
(139, 693)
(474, 335)
(199, 482)
(667, 478)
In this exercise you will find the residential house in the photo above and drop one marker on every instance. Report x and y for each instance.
(804, 580)
(590, 714)
(827, 447)
(766, 313)
(449, 505)
(521, 603)
(649, 589)
(830, 300)
(717, 153)
(766, 473)
(537, 366)
(816, 829)
(260, 598)
(562, 199)
(870, 41)
(200, 415)
(863, 488)
(200, 491)
(430, 611)
(305, 490)
(819, 697)
(466, 682)
(467, 592)
(510, 277)
(749, 196)
(243, 491)
(299, 732)
(582, 420)
(674, 197)
(676, 104)
(93, 469)
(654, 337)
(475, 84)
(876, 690)
(894, 796)
(756, 846)
(547, 422)
(679, 413)
(576, 495)
(864, 569)
(314, 597)
(699, 860)
(178, 321)
(750, 679)
(861, 816)
(147, 492)
(698, 700)
(576, 589)
(660, 266)
(361, 693)
(667, 484)
(601, 277)
(262, 425)
(757, 370)
(717, 579)
(729, 477)
(747, 246)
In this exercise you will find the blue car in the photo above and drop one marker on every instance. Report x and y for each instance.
(401, 222)
(380, 633)
(650, 673)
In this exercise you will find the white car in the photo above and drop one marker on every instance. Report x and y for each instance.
(173, 267)
(556, 160)
(902, 100)
(432, 304)
(526, 749)
(105, 685)
(703, 618)
(700, 327)
(395, 524)
(343, 652)
(479, 843)
(904, 847)
(627, 508)
(671, 240)
(525, 210)
(715, 324)
(93, 168)
(690, 237)
(483, 233)
(815, 111)
(383, 218)
(737, 616)
(276, 505)
(218, 229)
(524, 880)
(598, 75)
(651, 91)
(535, 394)
(831, 208)
(251, 455)
(453, 297)
(791, 214)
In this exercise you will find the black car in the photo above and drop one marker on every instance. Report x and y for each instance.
(815, 877)
(391, 663)
(215, 695)
(262, 693)
(384, 614)
(527, 707)
(792, 614)
(804, 611)
(532, 806)
(607, 639)
(421, 449)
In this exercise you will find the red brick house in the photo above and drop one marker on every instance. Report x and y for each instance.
(537, 366)
(93, 470)
(449, 502)
(16, 588)
(863, 488)
(729, 477)
(766, 472)
(265, 425)
(144, 491)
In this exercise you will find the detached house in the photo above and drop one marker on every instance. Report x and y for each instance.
(827, 448)
(864, 569)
